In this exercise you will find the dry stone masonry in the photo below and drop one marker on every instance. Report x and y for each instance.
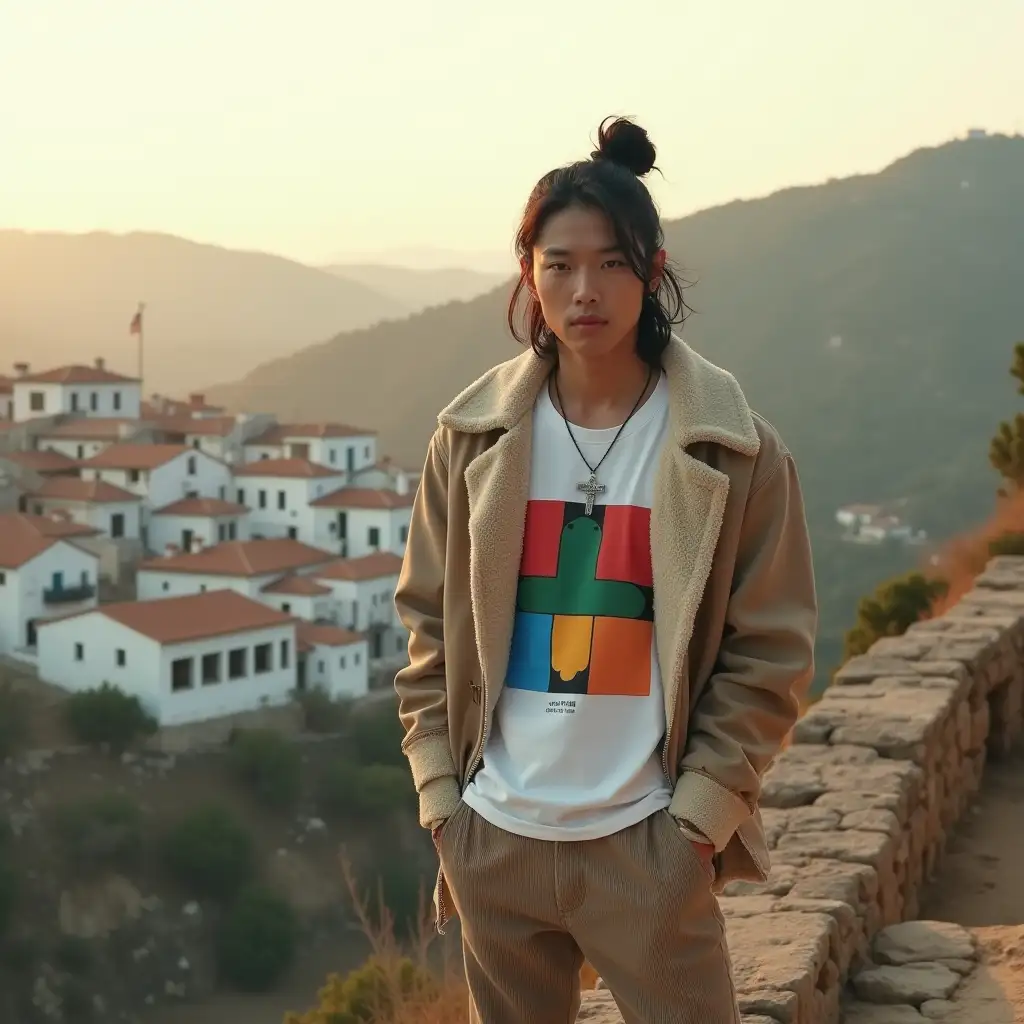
(858, 809)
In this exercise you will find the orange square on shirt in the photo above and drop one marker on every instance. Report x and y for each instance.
(620, 658)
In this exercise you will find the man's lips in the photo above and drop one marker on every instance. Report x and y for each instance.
(588, 321)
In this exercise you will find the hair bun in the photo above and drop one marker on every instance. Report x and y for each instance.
(622, 142)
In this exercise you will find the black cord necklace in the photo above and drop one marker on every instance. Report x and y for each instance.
(590, 487)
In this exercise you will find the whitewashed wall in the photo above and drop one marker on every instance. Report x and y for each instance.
(211, 530)
(112, 400)
(340, 671)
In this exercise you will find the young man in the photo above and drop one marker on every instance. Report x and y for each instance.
(611, 607)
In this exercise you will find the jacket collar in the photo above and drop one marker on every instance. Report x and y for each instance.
(705, 401)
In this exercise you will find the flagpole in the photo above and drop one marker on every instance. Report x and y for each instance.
(142, 330)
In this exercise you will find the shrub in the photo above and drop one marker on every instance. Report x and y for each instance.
(8, 894)
(268, 764)
(257, 940)
(1006, 544)
(104, 830)
(351, 790)
(14, 719)
(210, 853)
(398, 894)
(108, 715)
(73, 954)
(321, 713)
(377, 734)
(76, 1002)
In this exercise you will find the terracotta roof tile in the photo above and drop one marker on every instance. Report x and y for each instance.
(243, 558)
(299, 586)
(84, 428)
(281, 432)
(76, 374)
(135, 456)
(202, 507)
(43, 461)
(364, 497)
(369, 567)
(73, 488)
(176, 620)
(299, 468)
(23, 536)
(311, 634)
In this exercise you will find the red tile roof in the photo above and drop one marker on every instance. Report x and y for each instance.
(43, 461)
(84, 428)
(6, 384)
(177, 620)
(211, 507)
(297, 468)
(364, 497)
(299, 586)
(73, 488)
(22, 536)
(135, 456)
(76, 374)
(243, 558)
(281, 432)
(313, 634)
(369, 567)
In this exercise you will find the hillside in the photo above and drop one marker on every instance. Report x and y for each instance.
(416, 289)
(211, 312)
(870, 318)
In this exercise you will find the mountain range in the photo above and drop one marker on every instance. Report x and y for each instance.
(870, 318)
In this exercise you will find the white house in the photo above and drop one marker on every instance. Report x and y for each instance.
(299, 595)
(336, 445)
(195, 406)
(189, 522)
(187, 659)
(387, 475)
(44, 573)
(363, 591)
(357, 521)
(80, 390)
(83, 437)
(105, 507)
(334, 659)
(160, 474)
(280, 493)
(244, 566)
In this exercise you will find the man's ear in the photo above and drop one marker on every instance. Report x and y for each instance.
(657, 269)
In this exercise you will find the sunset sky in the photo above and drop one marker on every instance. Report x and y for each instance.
(318, 128)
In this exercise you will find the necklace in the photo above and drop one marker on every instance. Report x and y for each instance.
(590, 487)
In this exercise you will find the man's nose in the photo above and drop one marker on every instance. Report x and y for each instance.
(585, 292)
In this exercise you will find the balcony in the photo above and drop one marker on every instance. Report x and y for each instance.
(69, 595)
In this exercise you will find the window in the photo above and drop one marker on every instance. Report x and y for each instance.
(366, 451)
(285, 606)
(262, 499)
(79, 652)
(85, 578)
(263, 658)
(320, 667)
(119, 657)
(195, 443)
(236, 663)
(117, 400)
(293, 533)
(133, 476)
(202, 588)
(117, 524)
(37, 401)
(284, 654)
(332, 455)
(232, 531)
(211, 668)
(191, 465)
(282, 500)
(3, 578)
(355, 658)
(342, 661)
(80, 451)
(241, 496)
(403, 534)
(373, 537)
(222, 492)
(181, 675)
(74, 401)
(222, 531)
(166, 585)
(94, 401)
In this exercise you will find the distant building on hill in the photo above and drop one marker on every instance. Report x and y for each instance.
(876, 524)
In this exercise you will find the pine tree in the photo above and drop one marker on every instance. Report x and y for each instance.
(891, 610)
(1006, 452)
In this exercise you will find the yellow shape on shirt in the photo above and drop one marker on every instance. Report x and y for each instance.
(571, 636)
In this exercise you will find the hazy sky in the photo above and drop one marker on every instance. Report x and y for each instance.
(318, 127)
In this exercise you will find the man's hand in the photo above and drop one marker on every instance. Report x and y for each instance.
(435, 834)
(704, 849)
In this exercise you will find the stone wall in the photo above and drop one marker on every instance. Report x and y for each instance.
(859, 807)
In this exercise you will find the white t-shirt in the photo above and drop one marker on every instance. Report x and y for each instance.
(574, 746)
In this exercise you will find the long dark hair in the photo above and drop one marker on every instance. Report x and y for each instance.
(609, 181)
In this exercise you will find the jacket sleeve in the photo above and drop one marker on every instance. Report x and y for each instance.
(419, 601)
(765, 662)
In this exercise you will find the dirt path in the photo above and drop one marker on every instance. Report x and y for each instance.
(980, 886)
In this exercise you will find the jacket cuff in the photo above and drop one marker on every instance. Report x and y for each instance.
(712, 808)
(430, 757)
(438, 800)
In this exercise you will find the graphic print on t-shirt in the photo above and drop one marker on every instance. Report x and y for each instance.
(585, 604)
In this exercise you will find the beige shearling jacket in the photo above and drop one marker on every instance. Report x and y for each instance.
(735, 612)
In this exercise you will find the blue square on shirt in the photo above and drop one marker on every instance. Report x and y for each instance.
(529, 660)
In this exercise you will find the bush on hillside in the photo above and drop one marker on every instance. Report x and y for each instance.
(101, 831)
(269, 765)
(14, 719)
(376, 735)
(257, 941)
(107, 715)
(1007, 544)
(371, 993)
(210, 853)
(322, 713)
(73, 954)
(348, 790)
(8, 893)
(397, 893)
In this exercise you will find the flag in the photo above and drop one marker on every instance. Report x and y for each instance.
(136, 325)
